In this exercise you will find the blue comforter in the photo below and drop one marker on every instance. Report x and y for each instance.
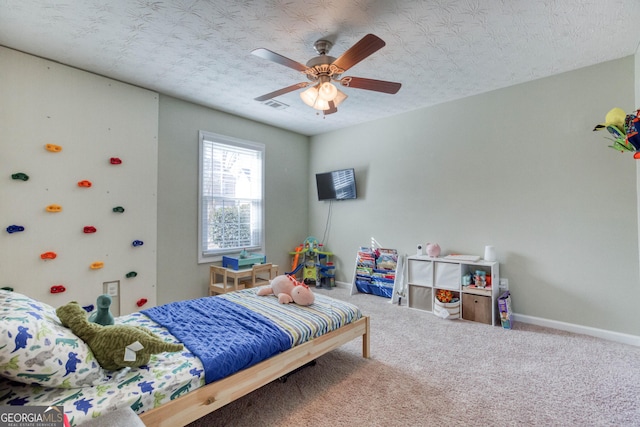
(226, 336)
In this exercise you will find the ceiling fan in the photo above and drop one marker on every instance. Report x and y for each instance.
(323, 69)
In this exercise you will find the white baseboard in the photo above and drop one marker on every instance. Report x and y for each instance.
(563, 326)
(579, 329)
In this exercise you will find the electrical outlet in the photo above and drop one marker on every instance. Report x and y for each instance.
(504, 284)
(111, 288)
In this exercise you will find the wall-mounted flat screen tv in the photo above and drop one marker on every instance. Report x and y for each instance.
(336, 185)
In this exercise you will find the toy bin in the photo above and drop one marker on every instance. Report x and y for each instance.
(449, 310)
(238, 263)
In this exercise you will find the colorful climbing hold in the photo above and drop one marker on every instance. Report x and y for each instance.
(48, 255)
(115, 161)
(131, 274)
(137, 243)
(88, 308)
(141, 302)
(14, 228)
(89, 229)
(118, 209)
(54, 208)
(7, 288)
(21, 176)
(96, 265)
(53, 148)
(56, 289)
(84, 183)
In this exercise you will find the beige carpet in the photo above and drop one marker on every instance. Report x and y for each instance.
(426, 371)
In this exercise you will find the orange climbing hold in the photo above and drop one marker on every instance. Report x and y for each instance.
(96, 265)
(84, 183)
(48, 255)
(53, 148)
(54, 208)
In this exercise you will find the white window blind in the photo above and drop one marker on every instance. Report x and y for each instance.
(231, 214)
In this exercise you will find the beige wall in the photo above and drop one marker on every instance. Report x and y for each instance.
(286, 183)
(517, 168)
(93, 119)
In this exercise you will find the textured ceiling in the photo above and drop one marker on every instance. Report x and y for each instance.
(440, 50)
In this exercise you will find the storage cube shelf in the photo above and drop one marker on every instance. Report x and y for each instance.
(426, 275)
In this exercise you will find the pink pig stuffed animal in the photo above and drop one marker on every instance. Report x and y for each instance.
(288, 290)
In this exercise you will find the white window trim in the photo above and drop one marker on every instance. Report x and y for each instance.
(210, 136)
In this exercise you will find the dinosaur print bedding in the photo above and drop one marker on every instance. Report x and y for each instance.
(95, 391)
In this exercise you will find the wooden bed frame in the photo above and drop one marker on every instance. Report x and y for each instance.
(206, 399)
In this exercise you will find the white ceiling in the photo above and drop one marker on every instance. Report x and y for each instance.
(440, 50)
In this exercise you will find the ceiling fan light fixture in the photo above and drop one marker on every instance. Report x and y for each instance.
(340, 96)
(327, 91)
(310, 96)
(314, 99)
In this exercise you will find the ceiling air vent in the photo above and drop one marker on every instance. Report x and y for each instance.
(275, 104)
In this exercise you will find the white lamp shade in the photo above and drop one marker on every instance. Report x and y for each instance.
(327, 91)
(313, 97)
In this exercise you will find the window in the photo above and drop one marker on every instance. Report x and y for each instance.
(231, 211)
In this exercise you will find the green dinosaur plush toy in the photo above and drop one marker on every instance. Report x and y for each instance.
(114, 346)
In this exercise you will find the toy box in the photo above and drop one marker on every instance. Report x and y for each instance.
(506, 313)
(247, 261)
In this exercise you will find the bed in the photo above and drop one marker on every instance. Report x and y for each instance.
(43, 363)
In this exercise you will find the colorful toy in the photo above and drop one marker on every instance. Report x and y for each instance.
(313, 262)
(114, 346)
(288, 290)
(102, 315)
(624, 128)
(444, 295)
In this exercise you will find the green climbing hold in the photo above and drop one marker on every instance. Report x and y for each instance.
(20, 175)
(131, 274)
(118, 209)
(7, 288)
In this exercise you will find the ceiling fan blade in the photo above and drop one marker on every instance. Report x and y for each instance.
(282, 91)
(279, 59)
(370, 84)
(332, 109)
(359, 51)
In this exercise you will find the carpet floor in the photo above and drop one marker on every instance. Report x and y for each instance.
(427, 371)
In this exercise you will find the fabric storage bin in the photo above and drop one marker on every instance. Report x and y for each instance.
(363, 286)
(450, 310)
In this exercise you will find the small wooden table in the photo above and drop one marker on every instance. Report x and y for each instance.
(223, 280)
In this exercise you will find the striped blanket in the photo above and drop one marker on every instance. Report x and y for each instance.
(301, 323)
